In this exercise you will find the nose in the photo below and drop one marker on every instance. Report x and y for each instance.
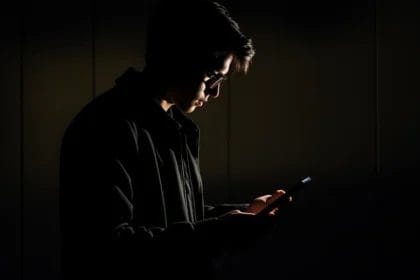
(213, 92)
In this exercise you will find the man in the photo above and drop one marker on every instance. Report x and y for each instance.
(131, 193)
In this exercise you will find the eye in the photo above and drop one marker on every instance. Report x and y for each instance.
(211, 74)
(215, 80)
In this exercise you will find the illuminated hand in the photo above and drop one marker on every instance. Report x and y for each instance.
(260, 202)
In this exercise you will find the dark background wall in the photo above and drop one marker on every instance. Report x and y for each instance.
(333, 93)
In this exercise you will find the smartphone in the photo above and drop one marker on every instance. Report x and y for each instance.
(285, 198)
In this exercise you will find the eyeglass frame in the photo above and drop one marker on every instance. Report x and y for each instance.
(214, 80)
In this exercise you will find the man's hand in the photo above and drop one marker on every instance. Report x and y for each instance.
(246, 225)
(261, 202)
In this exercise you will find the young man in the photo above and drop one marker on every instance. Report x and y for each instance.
(131, 193)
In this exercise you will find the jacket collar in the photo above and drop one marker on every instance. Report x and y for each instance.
(144, 107)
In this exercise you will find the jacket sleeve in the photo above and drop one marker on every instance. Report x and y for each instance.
(220, 209)
(130, 162)
(98, 163)
(134, 165)
(136, 144)
(99, 223)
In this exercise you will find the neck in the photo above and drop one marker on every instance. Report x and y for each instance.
(156, 81)
(165, 104)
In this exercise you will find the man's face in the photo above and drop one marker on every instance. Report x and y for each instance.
(196, 92)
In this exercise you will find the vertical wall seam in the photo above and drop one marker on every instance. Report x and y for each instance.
(377, 94)
(93, 51)
(229, 142)
(21, 128)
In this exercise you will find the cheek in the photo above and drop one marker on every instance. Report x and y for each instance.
(191, 92)
(201, 89)
(198, 91)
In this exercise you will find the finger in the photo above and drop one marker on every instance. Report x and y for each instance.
(234, 212)
(273, 212)
(239, 212)
(255, 207)
(258, 203)
(279, 192)
(263, 199)
(245, 213)
(276, 194)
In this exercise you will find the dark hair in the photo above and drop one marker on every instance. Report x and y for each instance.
(195, 33)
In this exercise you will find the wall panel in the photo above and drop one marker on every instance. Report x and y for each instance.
(307, 105)
(119, 38)
(322, 97)
(57, 83)
(10, 144)
(398, 60)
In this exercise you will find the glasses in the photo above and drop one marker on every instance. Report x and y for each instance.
(215, 80)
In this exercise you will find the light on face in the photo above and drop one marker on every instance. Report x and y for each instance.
(215, 80)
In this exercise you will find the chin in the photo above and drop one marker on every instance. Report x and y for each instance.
(189, 110)
(187, 107)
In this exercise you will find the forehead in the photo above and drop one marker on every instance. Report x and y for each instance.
(226, 65)
(196, 68)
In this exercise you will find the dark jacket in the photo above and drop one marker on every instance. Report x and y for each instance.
(131, 194)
